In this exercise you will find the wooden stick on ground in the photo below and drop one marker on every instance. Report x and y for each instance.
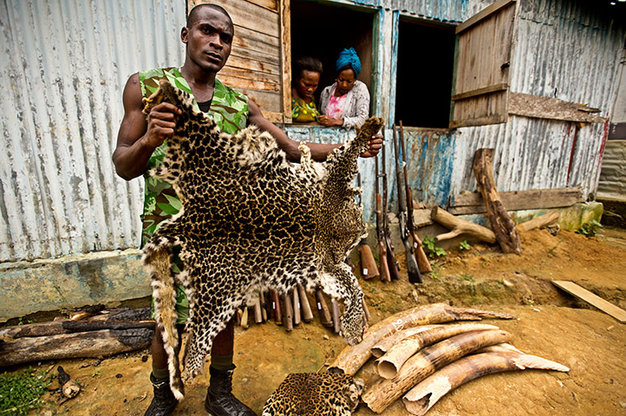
(421, 365)
(288, 312)
(424, 395)
(307, 313)
(502, 224)
(352, 358)
(459, 226)
(538, 222)
(297, 313)
(322, 308)
(78, 345)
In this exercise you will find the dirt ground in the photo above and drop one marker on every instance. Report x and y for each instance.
(551, 324)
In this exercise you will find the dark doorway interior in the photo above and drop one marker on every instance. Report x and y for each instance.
(322, 31)
(424, 74)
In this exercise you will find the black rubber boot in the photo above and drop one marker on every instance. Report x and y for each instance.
(163, 402)
(219, 398)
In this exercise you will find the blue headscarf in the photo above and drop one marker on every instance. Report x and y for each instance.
(348, 57)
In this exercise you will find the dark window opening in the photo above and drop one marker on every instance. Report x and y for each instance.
(424, 74)
(322, 31)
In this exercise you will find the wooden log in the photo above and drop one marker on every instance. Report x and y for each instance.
(297, 312)
(322, 308)
(425, 394)
(352, 358)
(390, 363)
(502, 224)
(538, 222)
(307, 313)
(276, 311)
(78, 345)
(288, 312)
(336, 316)
(459, 226)
(244, 318)
(421, 365)
(258, 314)
(67, 326)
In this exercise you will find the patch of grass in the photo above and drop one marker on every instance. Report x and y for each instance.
(468, 277)
(431, 249)
(20, 392)
(589, 229)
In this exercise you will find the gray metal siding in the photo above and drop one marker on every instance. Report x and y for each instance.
(65, 64)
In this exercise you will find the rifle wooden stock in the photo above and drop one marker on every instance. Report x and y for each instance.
(418, 248)
(297, 314)
(276, 312)
(382, 249)
(368, 317)
(411, 264)
(258, 316)
(367, 263)
(244, 318)
(322, 308)
(307, 313)
(288, 312)
(392, 263)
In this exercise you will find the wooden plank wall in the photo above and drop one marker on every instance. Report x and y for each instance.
(255, 66)
(483, 61)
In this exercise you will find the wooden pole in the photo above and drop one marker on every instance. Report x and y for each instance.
(502, 224)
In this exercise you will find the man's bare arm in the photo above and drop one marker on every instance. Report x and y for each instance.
(137, 138)
(319, 151)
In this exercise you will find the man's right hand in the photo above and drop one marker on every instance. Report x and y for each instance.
(161, 124)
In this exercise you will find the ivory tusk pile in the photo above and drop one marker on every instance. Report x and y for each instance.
(421, 365)
(424, 395)
(351, 359)
(390, 363)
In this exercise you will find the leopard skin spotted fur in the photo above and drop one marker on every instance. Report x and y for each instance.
(315, 394)
(249, 220)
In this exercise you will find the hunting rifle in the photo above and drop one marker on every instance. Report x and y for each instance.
(418, 249)
(367, 262)
(392, 263)
(411, 263)
(380, 232)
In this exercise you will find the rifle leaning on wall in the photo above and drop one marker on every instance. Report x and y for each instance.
(392, 263)
(411, 262)
(385, 276)
(367, 262)
(418, 249)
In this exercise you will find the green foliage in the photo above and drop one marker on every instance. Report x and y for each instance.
(464, 245)
(589, 229)
(431, 249)
(20, 391)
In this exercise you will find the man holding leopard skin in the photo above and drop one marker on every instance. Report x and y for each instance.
(208, 36)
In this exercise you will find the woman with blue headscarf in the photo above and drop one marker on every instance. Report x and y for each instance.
(346, 102)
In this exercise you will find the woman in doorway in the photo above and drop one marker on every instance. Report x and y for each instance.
(307, 77)
(346, 102)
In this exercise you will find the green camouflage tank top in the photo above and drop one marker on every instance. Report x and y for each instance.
(229, 109)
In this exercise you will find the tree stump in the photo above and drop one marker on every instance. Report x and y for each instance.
(502, 224)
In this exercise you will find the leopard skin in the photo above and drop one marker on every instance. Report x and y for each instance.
(250, 220)
(315, 394)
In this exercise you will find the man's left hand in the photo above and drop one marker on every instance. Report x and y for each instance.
(373, 146)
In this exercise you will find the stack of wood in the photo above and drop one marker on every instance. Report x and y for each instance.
(292, 308)
(84, 334)
(423, 362)
(503, 229)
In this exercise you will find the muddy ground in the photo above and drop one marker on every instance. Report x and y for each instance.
(551, 324)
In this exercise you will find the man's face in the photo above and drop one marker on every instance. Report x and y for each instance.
(209, 40)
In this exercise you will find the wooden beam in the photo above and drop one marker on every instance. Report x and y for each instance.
(480, 121)
(482, 14)
(285, 50)
(534, 106)
(592, 299)
(472, 203)
(480, 91)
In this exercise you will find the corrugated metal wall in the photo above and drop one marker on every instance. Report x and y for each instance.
(65, 64)
(443, 10)
(564, 49)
